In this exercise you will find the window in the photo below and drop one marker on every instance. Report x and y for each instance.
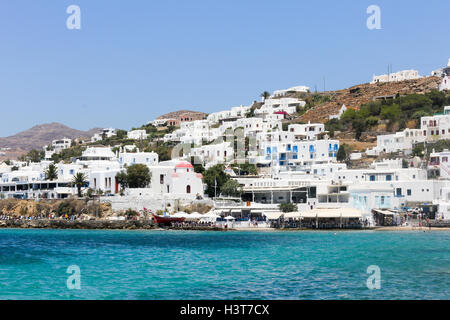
(161, 179)
(372, 178)
(408, 192)
(399, 191)
(388, 177)
(188, 189)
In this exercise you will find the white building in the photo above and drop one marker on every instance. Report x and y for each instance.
(287, 105)
(440, 161)
(398, 76)
(399, 141)
(147, 158)
(436, 127)
(445, 85)
(228, 115)
(137, 135)
(104, 134)
(297, 89)
(61, 144)
(213, 154)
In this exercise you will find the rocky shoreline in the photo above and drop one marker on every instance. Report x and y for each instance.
(78, 224)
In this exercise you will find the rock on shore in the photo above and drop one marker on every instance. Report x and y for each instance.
(77, 224)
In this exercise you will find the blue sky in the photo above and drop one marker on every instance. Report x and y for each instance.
(134, 60)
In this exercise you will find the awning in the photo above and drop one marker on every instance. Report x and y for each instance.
(337, 213)
(291, 215)
(326, 213)
(385, 212)
(272, 215)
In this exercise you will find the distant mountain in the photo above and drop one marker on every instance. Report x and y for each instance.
(39, 136)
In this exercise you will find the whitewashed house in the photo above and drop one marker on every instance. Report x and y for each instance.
(297, 89)
(397, 76)
(445, 85)
(436, 127)
(61, 144)
(137, 135)
(399, 141)
(104, 134)
(130, 158)
(440, 161)
(283, 105)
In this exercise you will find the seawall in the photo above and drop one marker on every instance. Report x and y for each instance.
(77, 224)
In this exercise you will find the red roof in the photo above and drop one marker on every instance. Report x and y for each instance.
(184, 165)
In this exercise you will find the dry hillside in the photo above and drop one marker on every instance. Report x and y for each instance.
(364, 93)
(176, 114)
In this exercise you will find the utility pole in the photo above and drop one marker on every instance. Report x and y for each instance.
(215, 187)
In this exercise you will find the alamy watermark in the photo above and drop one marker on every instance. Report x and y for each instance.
(74, 280)
(374, 20)
(73, 22)
(374, 280)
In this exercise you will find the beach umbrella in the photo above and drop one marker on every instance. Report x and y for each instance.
(195, 215)
(211, 214)
(180, 214)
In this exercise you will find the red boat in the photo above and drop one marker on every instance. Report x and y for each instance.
(166, 220)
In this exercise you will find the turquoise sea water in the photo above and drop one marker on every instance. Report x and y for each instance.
(223, 265)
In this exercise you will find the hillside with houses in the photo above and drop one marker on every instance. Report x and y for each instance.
(370, 155)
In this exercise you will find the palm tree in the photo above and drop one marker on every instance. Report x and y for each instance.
(79, 180)
(265, 94)
(51, 173)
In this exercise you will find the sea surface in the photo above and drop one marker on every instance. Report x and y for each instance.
(223, 265)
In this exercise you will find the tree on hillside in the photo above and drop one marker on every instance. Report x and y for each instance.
(215, 178)
(231, 188)
(51, 173)
(343, 154)
(33, 156)
(122, 179)
(138, 176)
(79, 180)
(265, 95)
(121, 134)
(245, 169)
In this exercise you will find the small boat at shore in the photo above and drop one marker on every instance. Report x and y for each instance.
(167, 220)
